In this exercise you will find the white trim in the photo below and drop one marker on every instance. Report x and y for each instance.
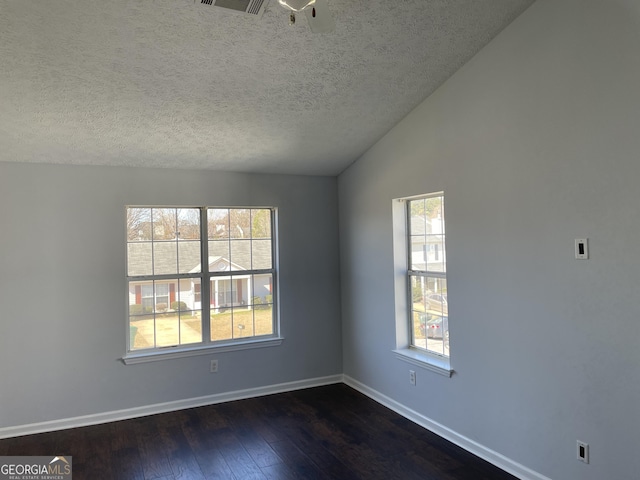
(471, 446)
(106, 417)
(433, 363)
(179, 352)
(477, 449)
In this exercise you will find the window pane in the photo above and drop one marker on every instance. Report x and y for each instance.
(418, 329)
(429, 314)
(189, 257)
(219, 256)
(436, 295)
(261, 290)
(138, 224)
(240, 290)
(218, 223)
(243, 325)
(188, 310)
(161, 297)
(221, 293)
(221, 325)
(189, 224)
(427, 235)
(141, 316)
(435, 253)
(261, 254)
(437, 330)
(262, 300)
(141, 332)
(190, 326)
(418, 259)
(164, 224)
(264, 319)
(261, 223)
(417, 217)
(187, 306)
(139, 259)
(418, 294)
(164, 313)
(165, 258)
(240, 254)
(191, 293)
(167, 330)
(239, 223)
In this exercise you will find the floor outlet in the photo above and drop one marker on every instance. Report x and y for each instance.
(583, 452)
(214, 366)
(412, 377)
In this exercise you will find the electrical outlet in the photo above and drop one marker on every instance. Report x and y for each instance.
(214, 366)
(582, 248)
(583, 451)
(412, 377)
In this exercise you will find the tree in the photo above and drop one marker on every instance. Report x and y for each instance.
(146, 224)
(428, 207)
(239, 223)
(261, 223)
(138, 224)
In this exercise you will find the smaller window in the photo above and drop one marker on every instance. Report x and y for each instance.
(420, 280)
(427, 275)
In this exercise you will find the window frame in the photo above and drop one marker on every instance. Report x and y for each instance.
(205, 279)
(406, 350)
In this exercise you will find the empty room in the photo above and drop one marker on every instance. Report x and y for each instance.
(234, 233)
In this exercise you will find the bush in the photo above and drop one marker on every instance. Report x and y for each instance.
(180, 306)
(140, 310)
(161, 307)
(257, 300)
(268, 299)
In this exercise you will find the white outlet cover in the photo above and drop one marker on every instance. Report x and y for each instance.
(582, 248)
(583, 455)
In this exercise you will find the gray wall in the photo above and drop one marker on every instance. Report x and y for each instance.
(63, 288)
(535, 142)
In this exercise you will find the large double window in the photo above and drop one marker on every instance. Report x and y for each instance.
(427, 274)
(200, 276)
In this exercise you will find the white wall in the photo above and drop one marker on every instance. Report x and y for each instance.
(63, 291)
(535, 142)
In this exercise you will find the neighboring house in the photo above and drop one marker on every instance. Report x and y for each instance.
(427, 243)
(232, 290)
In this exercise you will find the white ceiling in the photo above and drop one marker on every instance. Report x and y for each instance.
(170, 83)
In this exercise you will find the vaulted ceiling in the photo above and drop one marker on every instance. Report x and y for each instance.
(177, 84)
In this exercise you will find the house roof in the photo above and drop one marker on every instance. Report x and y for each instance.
(184, 256)
(174, 83)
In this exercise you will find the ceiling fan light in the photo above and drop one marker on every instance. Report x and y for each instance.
(296, 5)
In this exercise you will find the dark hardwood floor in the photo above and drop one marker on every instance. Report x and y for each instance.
(330, 432)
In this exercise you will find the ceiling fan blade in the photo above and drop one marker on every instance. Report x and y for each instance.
(320, 18)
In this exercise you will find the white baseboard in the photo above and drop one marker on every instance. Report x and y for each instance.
(113, 416)
(481, 451)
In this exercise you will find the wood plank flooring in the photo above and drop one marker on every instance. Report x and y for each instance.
(330, 432)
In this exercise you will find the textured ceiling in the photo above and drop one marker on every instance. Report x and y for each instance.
(170, 83)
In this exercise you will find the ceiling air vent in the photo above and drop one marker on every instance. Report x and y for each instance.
(250, 7)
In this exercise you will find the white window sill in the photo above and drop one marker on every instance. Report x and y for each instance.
(180, 352)
(433, 363)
